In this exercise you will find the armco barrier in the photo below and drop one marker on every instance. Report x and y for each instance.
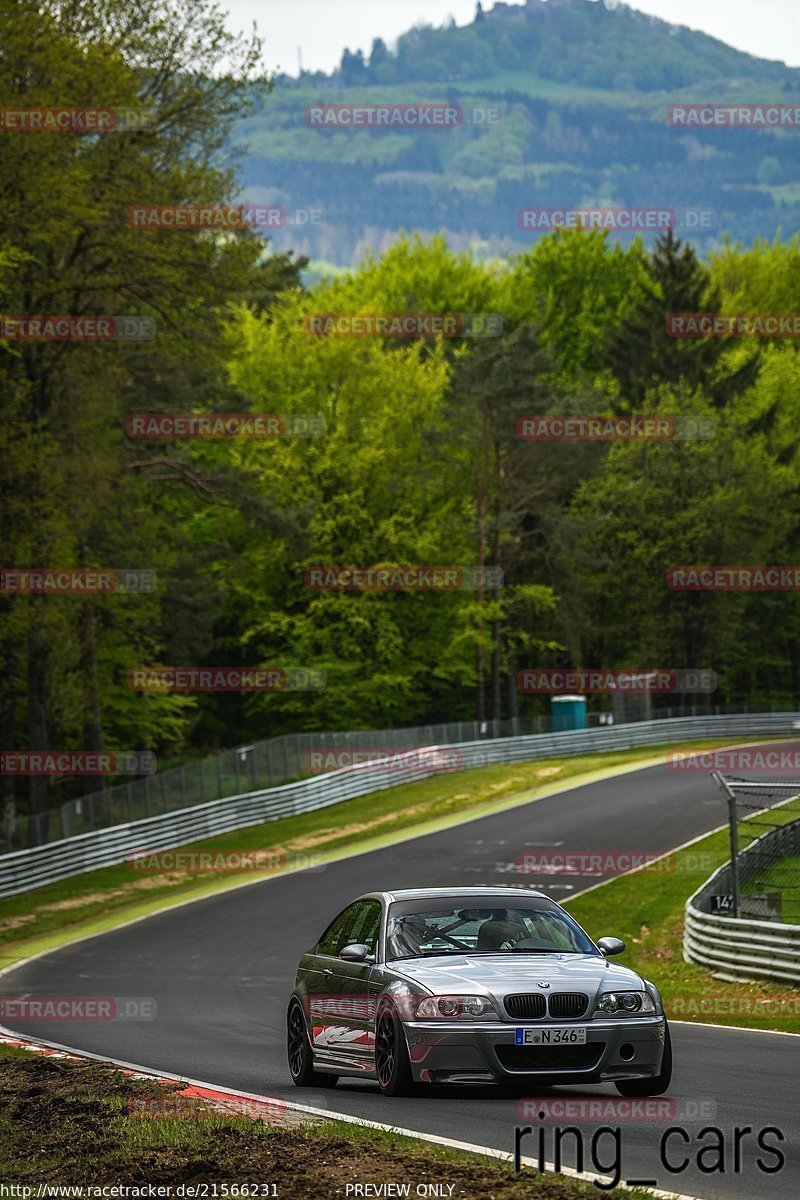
(740, 947)
(22, 870)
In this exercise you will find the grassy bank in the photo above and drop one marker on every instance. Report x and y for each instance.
(75, 1123)
(646, 910)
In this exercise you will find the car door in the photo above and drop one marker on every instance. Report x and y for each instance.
(322, 1001)
(344, 1030)
(360, 986)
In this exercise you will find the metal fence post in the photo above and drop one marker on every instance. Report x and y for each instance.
(734, 838)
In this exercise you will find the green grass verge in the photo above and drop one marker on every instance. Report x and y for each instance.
(98, 900)
(646, 910)
(783, 877)
(75, 1123)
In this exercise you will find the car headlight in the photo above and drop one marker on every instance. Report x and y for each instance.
(625, 1004)
(454, 1007)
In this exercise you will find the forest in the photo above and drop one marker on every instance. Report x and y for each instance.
(355, 451)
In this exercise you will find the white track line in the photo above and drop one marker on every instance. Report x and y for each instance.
(325, 1114)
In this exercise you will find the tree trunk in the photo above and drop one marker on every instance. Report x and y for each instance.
(511, 682)
(480, 685)
(93, 725)
(497, 705)
(39, 792)
(8, 793)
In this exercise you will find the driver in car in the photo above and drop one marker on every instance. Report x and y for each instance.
(502, 931)
(408, 935)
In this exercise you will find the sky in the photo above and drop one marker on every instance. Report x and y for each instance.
(321, 29)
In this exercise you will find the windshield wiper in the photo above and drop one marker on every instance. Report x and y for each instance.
(428, 954)
(538, 950)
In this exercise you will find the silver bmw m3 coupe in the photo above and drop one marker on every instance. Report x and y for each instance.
(472, 985)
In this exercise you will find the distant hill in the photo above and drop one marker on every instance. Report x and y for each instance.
(571, 99)
(573, 41)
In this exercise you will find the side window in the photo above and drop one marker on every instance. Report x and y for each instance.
(338, 932)
(367, 926)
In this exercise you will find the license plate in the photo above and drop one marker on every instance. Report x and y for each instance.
(555, 1035)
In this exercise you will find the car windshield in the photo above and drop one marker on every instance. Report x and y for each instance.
(417, 929)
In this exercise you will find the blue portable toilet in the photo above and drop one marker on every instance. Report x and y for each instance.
(568, 712)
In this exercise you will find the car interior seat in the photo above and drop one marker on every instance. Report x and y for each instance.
(498, 929)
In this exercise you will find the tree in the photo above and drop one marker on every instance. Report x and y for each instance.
(80, 257)
(640, 353)
(352, 68)
(275, 274)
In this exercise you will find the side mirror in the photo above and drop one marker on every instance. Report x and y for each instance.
(610, 945)
(357, 952)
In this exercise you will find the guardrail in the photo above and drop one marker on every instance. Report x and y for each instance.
(742, 947)
(265, 764)
(22, 870)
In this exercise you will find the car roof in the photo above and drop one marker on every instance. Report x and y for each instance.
(490, 892)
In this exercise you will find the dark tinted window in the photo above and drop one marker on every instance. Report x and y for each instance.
(367, 925)
(482, 924)
(338, 932)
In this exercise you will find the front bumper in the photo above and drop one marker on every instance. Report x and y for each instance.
(625, 1048)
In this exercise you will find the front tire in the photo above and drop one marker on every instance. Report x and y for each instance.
(392, 1064)
(657, 1084)
(298, 1051)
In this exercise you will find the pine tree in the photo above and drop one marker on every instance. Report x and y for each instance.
(640, 352)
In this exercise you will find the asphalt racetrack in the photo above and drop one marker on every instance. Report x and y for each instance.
(220, 971)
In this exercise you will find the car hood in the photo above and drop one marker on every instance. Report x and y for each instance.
(504, 973)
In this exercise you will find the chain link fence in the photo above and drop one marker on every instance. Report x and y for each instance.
(764, 876)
